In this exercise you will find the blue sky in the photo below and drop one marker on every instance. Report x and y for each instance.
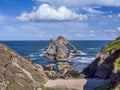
(45, 19)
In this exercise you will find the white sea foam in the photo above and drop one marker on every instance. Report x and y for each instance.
(72, 54)
(44, 52)
(34, 58)
(82, 53)
(83, 59)
(41, 55)
(92, 48)
(79, 65)
(42, 49)
(32, 55)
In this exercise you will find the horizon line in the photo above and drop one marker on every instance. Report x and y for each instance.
(68, 39)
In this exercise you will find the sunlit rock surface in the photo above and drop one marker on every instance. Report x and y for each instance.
(18, 73)
(58, 49)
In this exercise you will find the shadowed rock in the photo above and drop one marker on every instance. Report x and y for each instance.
(107, 65)
(58, 49)
(103, 65)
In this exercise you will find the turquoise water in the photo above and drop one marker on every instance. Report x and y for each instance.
(34, 50)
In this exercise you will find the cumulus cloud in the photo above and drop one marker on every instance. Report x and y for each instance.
(81, 2)
(46, 12)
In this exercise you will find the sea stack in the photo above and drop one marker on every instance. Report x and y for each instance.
(58, 49)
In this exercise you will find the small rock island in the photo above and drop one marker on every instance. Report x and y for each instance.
(58, 49)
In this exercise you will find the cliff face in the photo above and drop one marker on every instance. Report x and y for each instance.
(18, 73)
(107, 64)
(103, 65)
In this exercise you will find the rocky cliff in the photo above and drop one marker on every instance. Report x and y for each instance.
(103, 65)
(107, 63)
(18, 73)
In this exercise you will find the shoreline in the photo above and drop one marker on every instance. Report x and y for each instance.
(79, 84)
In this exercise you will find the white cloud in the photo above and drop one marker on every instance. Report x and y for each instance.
(110, 16)
(118, 15)
(46, 12)
(91, 10)
(114, 17)
(79, 34)
(92, 35)
(11, 28)
(2, 18)
(118, 29)
(81, 2)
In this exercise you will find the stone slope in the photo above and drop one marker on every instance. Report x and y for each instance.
(103, 65)
(18, 73)
(107, 65)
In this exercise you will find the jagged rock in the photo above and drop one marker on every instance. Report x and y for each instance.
(17, 73)
(51, 74)
(103, 65)
(63, 67)
(58, 49)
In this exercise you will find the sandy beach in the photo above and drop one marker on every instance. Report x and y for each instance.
(79, 84)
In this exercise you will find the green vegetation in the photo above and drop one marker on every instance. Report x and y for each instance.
(56, 88)
(74, 74)
(117, 87)
(117, 70)
(114, 45)
(102, 87)
(117, 64)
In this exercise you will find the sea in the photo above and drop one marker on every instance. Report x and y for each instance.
(35, 50)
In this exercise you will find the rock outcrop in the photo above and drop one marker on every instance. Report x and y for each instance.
(58, 71)
(103, 65)
(107, 64)
(18, 73)
(58, 49)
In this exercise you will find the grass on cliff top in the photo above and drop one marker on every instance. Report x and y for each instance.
(114, 45)
(56, 88)
(118, 87)
(117, 64)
